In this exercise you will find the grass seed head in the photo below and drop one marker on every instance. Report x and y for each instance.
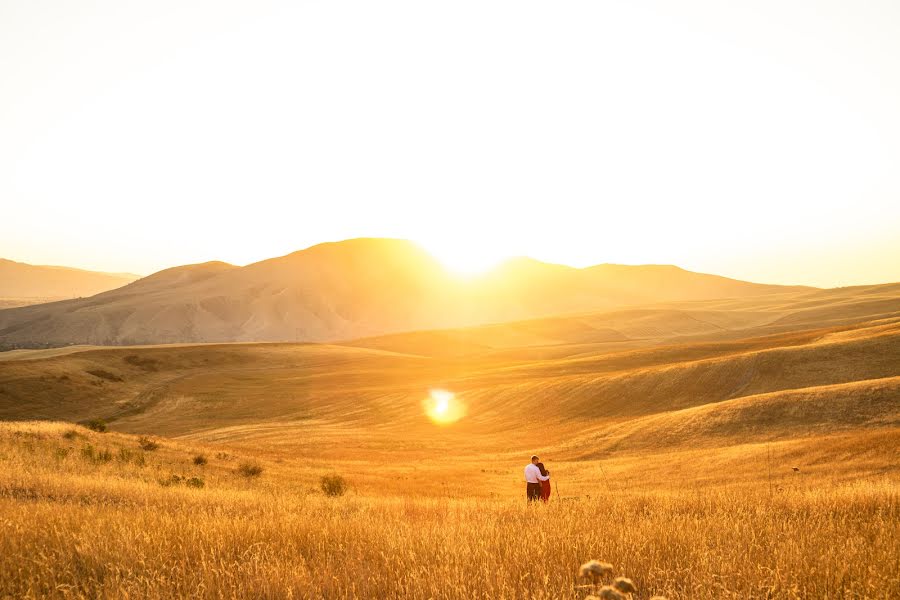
(594, 569)
(624, 585)
(610, 593)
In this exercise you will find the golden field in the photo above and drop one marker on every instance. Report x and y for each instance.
(78, 527)
(672, 432)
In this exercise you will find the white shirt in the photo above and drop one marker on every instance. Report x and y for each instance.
(533, 474)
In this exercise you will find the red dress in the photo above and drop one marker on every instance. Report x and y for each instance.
(545, 490)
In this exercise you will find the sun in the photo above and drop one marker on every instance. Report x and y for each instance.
(443, 407)
(464, 259)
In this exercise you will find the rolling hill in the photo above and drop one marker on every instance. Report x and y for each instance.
(23, 284)
(653, 387)
(682, 431)
(349, 289)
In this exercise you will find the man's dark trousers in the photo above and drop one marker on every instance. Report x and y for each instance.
(533, 491)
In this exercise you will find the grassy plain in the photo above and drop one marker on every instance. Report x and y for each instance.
(77, 526)
(672, 450)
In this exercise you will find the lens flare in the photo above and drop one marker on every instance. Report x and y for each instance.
(443, 407)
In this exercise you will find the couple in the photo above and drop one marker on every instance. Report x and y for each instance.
(538, 478)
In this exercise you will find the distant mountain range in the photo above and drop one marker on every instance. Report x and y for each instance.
(21, 283)
(345, 290)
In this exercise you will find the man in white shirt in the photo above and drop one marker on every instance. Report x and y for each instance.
(534, 478)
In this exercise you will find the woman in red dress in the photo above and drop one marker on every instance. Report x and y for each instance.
(545, 485)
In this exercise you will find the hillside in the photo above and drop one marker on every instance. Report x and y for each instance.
(668, 419)
(617, 382)
(346, 290)
(22, 284)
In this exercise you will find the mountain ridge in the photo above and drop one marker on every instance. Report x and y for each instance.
(23, 283)
(347, 289)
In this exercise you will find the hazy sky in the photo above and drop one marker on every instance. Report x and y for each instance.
(759, 140)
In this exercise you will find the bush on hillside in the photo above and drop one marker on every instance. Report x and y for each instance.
(200, 460)
(194, 482)
(88, 452)
(147, 444)
(98, 425)
(333, 485)
(250, 469)
(71, 434)
(103, 374)
(146, 363)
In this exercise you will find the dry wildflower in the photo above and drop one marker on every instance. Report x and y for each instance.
(594, 569)
(610, 593)
(624, 585)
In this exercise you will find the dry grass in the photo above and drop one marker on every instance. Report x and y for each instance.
(74, 528)
(675, 461)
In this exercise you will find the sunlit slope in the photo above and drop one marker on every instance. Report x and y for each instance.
(121, 382)
(604, 386)
(221, 381)
(347, 290)
(776, 416)
(686, 323)
(331, 400)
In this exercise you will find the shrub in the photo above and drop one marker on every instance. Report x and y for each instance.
(71, 434)
(250, 469)
(146, 363)
(171, 480)
(62, 453)
(130, 456)
(104, 375)
(87, 452)
(147, 444)
(192, 482)
(200, 460)
(98, 425)
(333, 485)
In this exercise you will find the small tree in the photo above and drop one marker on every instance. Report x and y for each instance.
(334, 485)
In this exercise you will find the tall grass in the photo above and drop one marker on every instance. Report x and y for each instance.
(77, 528)
(205, 543)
